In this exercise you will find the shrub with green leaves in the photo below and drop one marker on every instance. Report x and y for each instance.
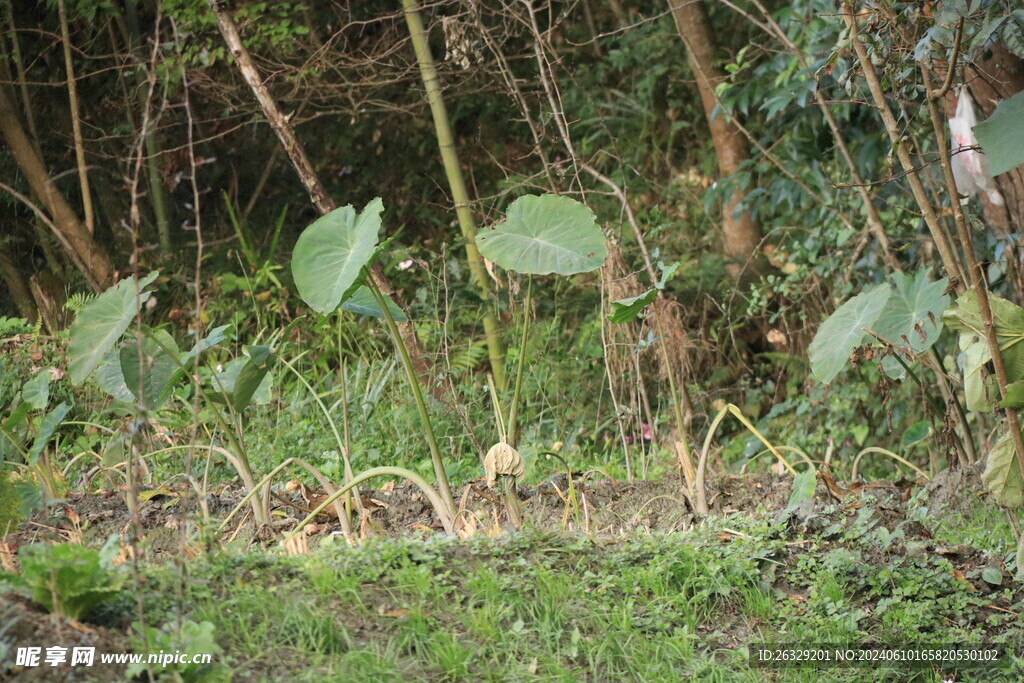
(66, 578)
(189, 638)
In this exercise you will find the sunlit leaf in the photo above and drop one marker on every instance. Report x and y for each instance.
(1002, 474)
(331, 254)
(545, 234)
(843, 331)
(101, 322)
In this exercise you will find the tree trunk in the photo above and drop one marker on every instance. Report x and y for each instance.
(16, 287)
(91, 259)
(307, 174)
(741, 235)
(48, 292)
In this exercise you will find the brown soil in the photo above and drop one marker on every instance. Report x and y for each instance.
(603, 508)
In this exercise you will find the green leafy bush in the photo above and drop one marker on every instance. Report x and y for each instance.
(66, 578)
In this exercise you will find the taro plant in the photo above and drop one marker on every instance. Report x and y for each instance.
(897, 325)
(541, 235)
(901, 322)
(144, 367)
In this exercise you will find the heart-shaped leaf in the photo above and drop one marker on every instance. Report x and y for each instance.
(843, 331)
(331, 253)
(101, 322)
(545, 234)
(36, 391)
(149, 371)
(804, 485)
(912, 314)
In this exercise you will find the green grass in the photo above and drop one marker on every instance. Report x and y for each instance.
(542, 606)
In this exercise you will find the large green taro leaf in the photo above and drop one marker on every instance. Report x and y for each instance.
(101, 322)
(149, 369)
(843, 331)
(912, 315)
(331, 254)
(545, 234)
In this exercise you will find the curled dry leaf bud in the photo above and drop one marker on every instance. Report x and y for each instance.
(502, 459)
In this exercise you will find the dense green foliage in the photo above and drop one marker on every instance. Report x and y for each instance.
(608, 237)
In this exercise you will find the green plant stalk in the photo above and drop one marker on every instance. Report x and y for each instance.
(882, 451)
(496, 406)
(342, 513)
(241, 456)
(421, 406)
(444, 512)
(700, 494)
(570, 500)
(513, 413)
(330, 421)
(453, 171)
(790, 449)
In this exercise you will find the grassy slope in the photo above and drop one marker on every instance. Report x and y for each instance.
(538, 605)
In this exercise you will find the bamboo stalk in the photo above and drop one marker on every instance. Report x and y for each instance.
(76, 120)
(456, 182)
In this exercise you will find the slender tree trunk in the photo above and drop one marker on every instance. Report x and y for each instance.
(83, 250)
(304, 169)
(741, 234)
(157, 192)
(453, 170)
(16, 287)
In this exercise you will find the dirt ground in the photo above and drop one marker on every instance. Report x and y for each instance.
(603, 508)
(594, 504)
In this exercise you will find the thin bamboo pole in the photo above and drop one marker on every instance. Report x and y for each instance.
(457, 184)
(76, 120)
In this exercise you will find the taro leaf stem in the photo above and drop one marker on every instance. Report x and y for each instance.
(421, 406)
